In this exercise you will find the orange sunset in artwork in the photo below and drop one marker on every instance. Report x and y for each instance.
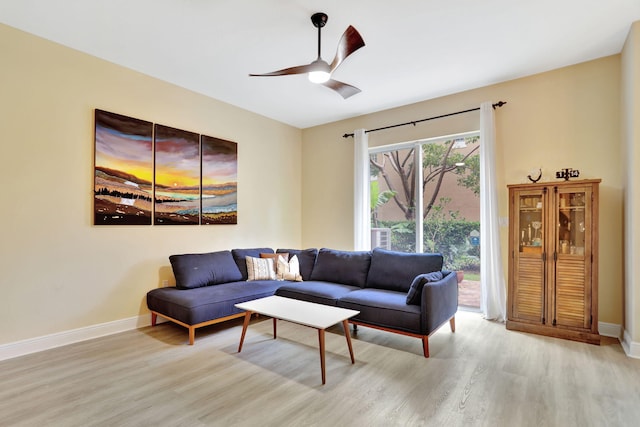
(123, 170)
(177, 176)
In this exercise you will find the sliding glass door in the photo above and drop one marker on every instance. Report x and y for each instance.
(431, 207)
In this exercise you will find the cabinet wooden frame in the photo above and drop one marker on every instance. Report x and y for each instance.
(553, 272)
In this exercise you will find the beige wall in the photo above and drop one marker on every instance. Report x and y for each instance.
(58, 272)
(568, 117)
(630, 160)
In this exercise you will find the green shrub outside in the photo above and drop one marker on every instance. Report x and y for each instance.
(449, 237)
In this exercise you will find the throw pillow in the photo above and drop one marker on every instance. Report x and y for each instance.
(239, 255)
(260, 269)
(415, 291)
(275, 257)
(289, 270)
(306, 259)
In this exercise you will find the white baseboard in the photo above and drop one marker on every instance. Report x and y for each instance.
(46, 342)
(610, 330)
(632, 349)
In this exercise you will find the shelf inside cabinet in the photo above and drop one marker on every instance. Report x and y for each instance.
(530, 249)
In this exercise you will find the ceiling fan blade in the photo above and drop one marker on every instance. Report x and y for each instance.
(350, 41)
(300, 69)
(343, 89)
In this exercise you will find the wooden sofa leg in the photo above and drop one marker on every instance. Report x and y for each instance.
(154, 319)
(425, 345)
(452, 323)
(192, 335)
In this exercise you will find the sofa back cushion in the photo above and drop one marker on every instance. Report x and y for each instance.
(345, 267)
(240, 256)
(306, 259)
(395, 271)
(197, 270)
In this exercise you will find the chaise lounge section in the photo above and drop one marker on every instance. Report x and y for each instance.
(207, 288)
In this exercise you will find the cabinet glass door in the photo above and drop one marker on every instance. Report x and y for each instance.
(527, 294)
(531, 223)
(572, 223)
(571, 299)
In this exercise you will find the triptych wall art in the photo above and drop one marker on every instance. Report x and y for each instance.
(146, 173)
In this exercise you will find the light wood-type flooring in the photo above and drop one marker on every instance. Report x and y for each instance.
(483, 375)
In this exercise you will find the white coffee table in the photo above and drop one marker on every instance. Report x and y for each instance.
(318, 316)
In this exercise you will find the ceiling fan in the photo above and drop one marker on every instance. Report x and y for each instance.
(319, 70)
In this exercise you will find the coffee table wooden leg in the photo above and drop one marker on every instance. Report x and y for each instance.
(274, 328)
(247, 317)
(345, 325)
(321, 339)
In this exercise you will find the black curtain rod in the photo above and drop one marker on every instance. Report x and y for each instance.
(496, 105)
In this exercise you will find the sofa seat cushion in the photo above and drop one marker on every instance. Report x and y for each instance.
(196, 270)
(314, 291)
(199, 305)
(348, 267)
(384, 308)
(395, 271)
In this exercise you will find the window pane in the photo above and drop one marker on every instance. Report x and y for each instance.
(393, 200)
(451, 180)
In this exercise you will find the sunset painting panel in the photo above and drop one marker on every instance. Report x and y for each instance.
(177, 176)
(219, 181)
(123, 170)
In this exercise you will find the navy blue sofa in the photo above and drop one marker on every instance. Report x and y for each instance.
(405, 293)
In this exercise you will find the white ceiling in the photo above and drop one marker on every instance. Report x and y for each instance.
(415, 49)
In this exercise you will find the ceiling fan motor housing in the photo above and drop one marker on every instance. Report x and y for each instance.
(319, 19)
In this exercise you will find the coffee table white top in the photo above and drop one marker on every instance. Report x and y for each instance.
(317, 316)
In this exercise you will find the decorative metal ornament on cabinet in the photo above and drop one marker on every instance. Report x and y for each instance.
(534, 180)
(567, 173)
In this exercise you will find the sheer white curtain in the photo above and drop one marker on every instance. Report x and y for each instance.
(361, 223)
(493, 304)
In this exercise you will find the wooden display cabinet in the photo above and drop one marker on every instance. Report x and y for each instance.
(553, 259)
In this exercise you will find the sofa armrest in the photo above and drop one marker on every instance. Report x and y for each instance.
(439, 302)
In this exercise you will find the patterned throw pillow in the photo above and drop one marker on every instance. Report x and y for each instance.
(289, 270)
(275, 256)
(260, 269)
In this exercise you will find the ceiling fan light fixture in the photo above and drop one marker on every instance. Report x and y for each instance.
(319, 76)
(320, 71)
